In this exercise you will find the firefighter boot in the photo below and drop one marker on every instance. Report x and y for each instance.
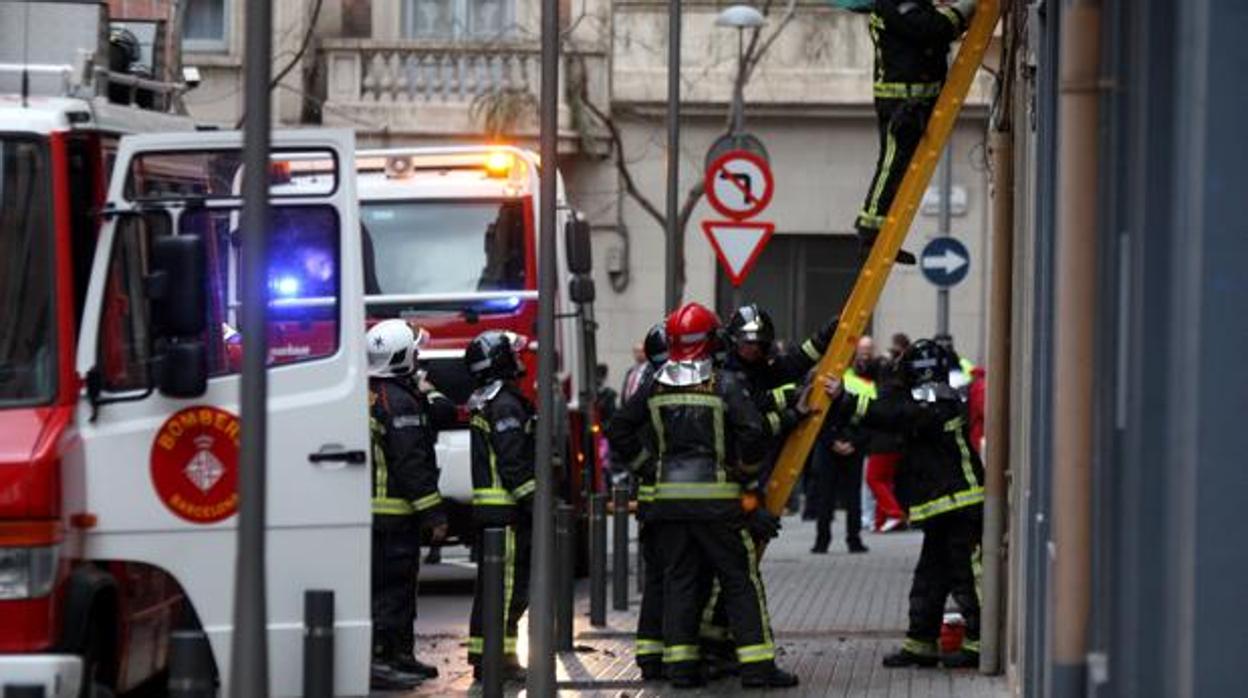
(412, 665)
(914, 653)
(767, 675)
(385, 677)
(651, 669)
(512, 671)
(866, 240)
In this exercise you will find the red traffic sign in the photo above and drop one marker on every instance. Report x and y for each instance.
(739, 184)
(738, 244)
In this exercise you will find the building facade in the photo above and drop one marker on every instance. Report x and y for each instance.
(434, 71)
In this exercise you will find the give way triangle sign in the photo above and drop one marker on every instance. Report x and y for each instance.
(738, 244)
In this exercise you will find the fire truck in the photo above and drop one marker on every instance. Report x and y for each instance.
(119, 301)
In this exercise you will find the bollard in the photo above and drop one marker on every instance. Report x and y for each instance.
(25, 690)
(190, 666)
(619, 550)
(493, 629)
(565, 591)
(597, 560)
(318, 643)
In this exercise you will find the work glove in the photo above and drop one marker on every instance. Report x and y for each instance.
(762, 524)
(434, 524)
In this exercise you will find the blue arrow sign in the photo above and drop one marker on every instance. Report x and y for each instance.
(945, 262)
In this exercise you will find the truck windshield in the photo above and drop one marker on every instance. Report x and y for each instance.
(444, 247)
(27, 355)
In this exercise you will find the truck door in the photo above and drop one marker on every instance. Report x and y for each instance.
(159, 473)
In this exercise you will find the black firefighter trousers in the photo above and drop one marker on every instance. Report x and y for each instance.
(946, 567)
(395, 566)
(649, 647)
(901, 123)
(692, 550)
(517, 555)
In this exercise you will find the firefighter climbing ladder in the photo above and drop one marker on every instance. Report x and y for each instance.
(874, 273)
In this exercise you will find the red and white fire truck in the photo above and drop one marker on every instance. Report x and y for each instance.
(119, 295)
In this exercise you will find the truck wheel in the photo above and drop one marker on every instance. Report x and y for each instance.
(97, 656)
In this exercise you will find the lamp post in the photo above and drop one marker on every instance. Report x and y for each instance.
(739, 17)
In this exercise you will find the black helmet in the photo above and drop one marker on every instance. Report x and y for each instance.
(925, 362)
(752, 324)
(656, 345)
(492, 355)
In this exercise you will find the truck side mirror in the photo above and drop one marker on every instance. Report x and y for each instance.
(581, 289)
(183, 369)
(580, 254)
(175, 286)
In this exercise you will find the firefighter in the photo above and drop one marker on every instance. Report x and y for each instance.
(941, 479)
(405, 416)
(503, 455)
(912, 39)
(709, 439)
(648, 650)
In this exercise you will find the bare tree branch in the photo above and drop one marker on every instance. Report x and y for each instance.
(621, 164)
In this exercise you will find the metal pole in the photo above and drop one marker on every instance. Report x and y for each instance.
(619, 550)
(318, 643)
(190, 666)
(249, 656)
(565, 545)
(946, 225)
(541, 676)
(672, 294)
(589, 398)
(738, 87)
(493, 557)
(597, 559)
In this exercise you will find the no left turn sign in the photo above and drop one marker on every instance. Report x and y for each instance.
(739, 184)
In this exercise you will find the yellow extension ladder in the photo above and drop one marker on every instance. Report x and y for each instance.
(874, 273)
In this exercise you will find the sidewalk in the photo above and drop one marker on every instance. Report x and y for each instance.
(834, 617)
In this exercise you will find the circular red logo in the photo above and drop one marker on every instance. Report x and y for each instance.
(195, 464)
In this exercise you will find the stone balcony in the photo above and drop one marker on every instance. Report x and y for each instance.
(443, 90)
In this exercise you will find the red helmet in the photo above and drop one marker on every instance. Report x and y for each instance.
(691, 333)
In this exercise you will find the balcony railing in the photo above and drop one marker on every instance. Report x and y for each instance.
(428, 88)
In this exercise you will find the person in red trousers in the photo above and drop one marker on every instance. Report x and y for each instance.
(883, 448)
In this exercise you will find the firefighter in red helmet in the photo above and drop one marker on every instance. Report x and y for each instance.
(709, 439)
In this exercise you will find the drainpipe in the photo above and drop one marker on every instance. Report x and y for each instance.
(1075, 324)
(997, 414)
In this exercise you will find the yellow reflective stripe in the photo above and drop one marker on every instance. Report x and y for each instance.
(811, 351)
(773, 421)
(476, 645)
(870, 220)
(708, 631)
(647, 647)
(481, 423)
(971, 646)
(697, 490)
(951, 14)
(905, 90)
(924, 648)
(525, 489)
(857, 385)
(681, 653)
(860, 410)
(495, 496)
(968, 470)
(395, 507)
(967, 366)
(640, 460)
(881, 177)
(780, 395)
(751, 561)
(756, 653)
(645, 493)
(429, 501)
(708, 613)
(944, 505)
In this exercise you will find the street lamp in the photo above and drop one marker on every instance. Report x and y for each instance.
(740, 17)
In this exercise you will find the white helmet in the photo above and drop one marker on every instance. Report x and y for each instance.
(393, 347)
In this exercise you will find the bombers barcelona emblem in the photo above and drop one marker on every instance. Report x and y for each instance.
(195, 464)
